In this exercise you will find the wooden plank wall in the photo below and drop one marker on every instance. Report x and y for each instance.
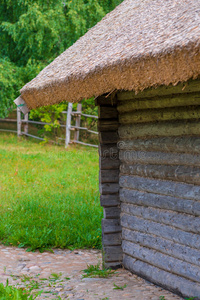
(159, 143)
(109, 180)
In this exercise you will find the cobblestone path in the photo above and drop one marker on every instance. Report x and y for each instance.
(59, 275)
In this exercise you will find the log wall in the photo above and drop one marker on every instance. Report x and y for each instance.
(159, 152)
(109, 180)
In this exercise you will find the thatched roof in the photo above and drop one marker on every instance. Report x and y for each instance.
(141, 43)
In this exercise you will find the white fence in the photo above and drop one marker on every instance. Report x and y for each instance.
(23, 128)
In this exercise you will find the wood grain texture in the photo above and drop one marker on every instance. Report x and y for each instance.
(110, 151)
(112, 239)
(111, 176)
(108, 137)
(107, 112)
(111, 226)
(165, 114)
(112, 253)
(182, 88)
(159, 158)
(162, 261)
(112, 212)
(106, 100)
(177, 284)
(183, 144)
(187, 174)
(150, 241)
(185, 222)
(107, 163)
(107, 125)
(109, 200)
(161, 187)
(159, 102)
(108, 188)
(162, 129)
(160, 201)
(165, 231)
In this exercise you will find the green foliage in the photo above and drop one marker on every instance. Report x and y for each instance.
(117, 287)
(10, 292)
(48, 197)
(34, 32)
(95, 271)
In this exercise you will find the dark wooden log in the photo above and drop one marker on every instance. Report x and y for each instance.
(185, 174)
(112, 212)
(112, 265)
(109, 200)
(112, 239)
(159, 102)
(107, 112)
(106, 100)
(183, 144)
(109, 176)
(111, 163)
(176, 250)
(182, 88)
(176, 284)
(160, 201)
(162, 129)
(185, 222)
(107, 125)
(110, 151)
(162, 261)
(109, 137)
(108, 188)
(111, 226)
(113, 253)
(159, 158)
(162, 187)
(165, 114)
(168, 232)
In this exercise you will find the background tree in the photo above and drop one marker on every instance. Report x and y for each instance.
(34, 32)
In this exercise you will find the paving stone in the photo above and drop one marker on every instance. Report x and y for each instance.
(70, 264)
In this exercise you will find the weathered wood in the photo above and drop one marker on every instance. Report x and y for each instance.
(26, 123)
(108, 188)
(177, 284)
(182, 88)
(107, 125)
(159, 129)
(107, 112)
(108, 176)
(109, 200)
(165, 231)
(178, 220)
(160, 201)
(159, 102)
(183, 144)
(181, 252)
(159, 158)
(112, 253)
(78, 122)
(162, 261)
(112, 239)
(165, 114)
(108, 137)
(112, 265)
(68, 124)
(109, 163)
(185, 174)
(112, 212)
(111, 226)
(19, 122)
(110, 151)
(106, 100)
(162, 187)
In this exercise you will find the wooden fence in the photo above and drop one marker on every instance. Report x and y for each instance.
(23, 128)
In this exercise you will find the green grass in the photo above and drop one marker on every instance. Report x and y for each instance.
(48, 196)
(13, 293)
(95, 271)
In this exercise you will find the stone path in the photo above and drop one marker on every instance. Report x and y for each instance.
(59, 275)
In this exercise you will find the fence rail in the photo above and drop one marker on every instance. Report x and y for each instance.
(69, 127)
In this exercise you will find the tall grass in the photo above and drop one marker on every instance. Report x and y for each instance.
(48, 195)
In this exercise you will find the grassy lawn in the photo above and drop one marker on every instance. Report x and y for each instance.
(48, 196)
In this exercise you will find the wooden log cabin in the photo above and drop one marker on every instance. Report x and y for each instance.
(142, 64)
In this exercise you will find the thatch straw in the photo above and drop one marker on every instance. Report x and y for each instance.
(142, 43)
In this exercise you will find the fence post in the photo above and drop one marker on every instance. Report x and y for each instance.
(68, 124)
(26, 124)
(19, 122)
(78, 122)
